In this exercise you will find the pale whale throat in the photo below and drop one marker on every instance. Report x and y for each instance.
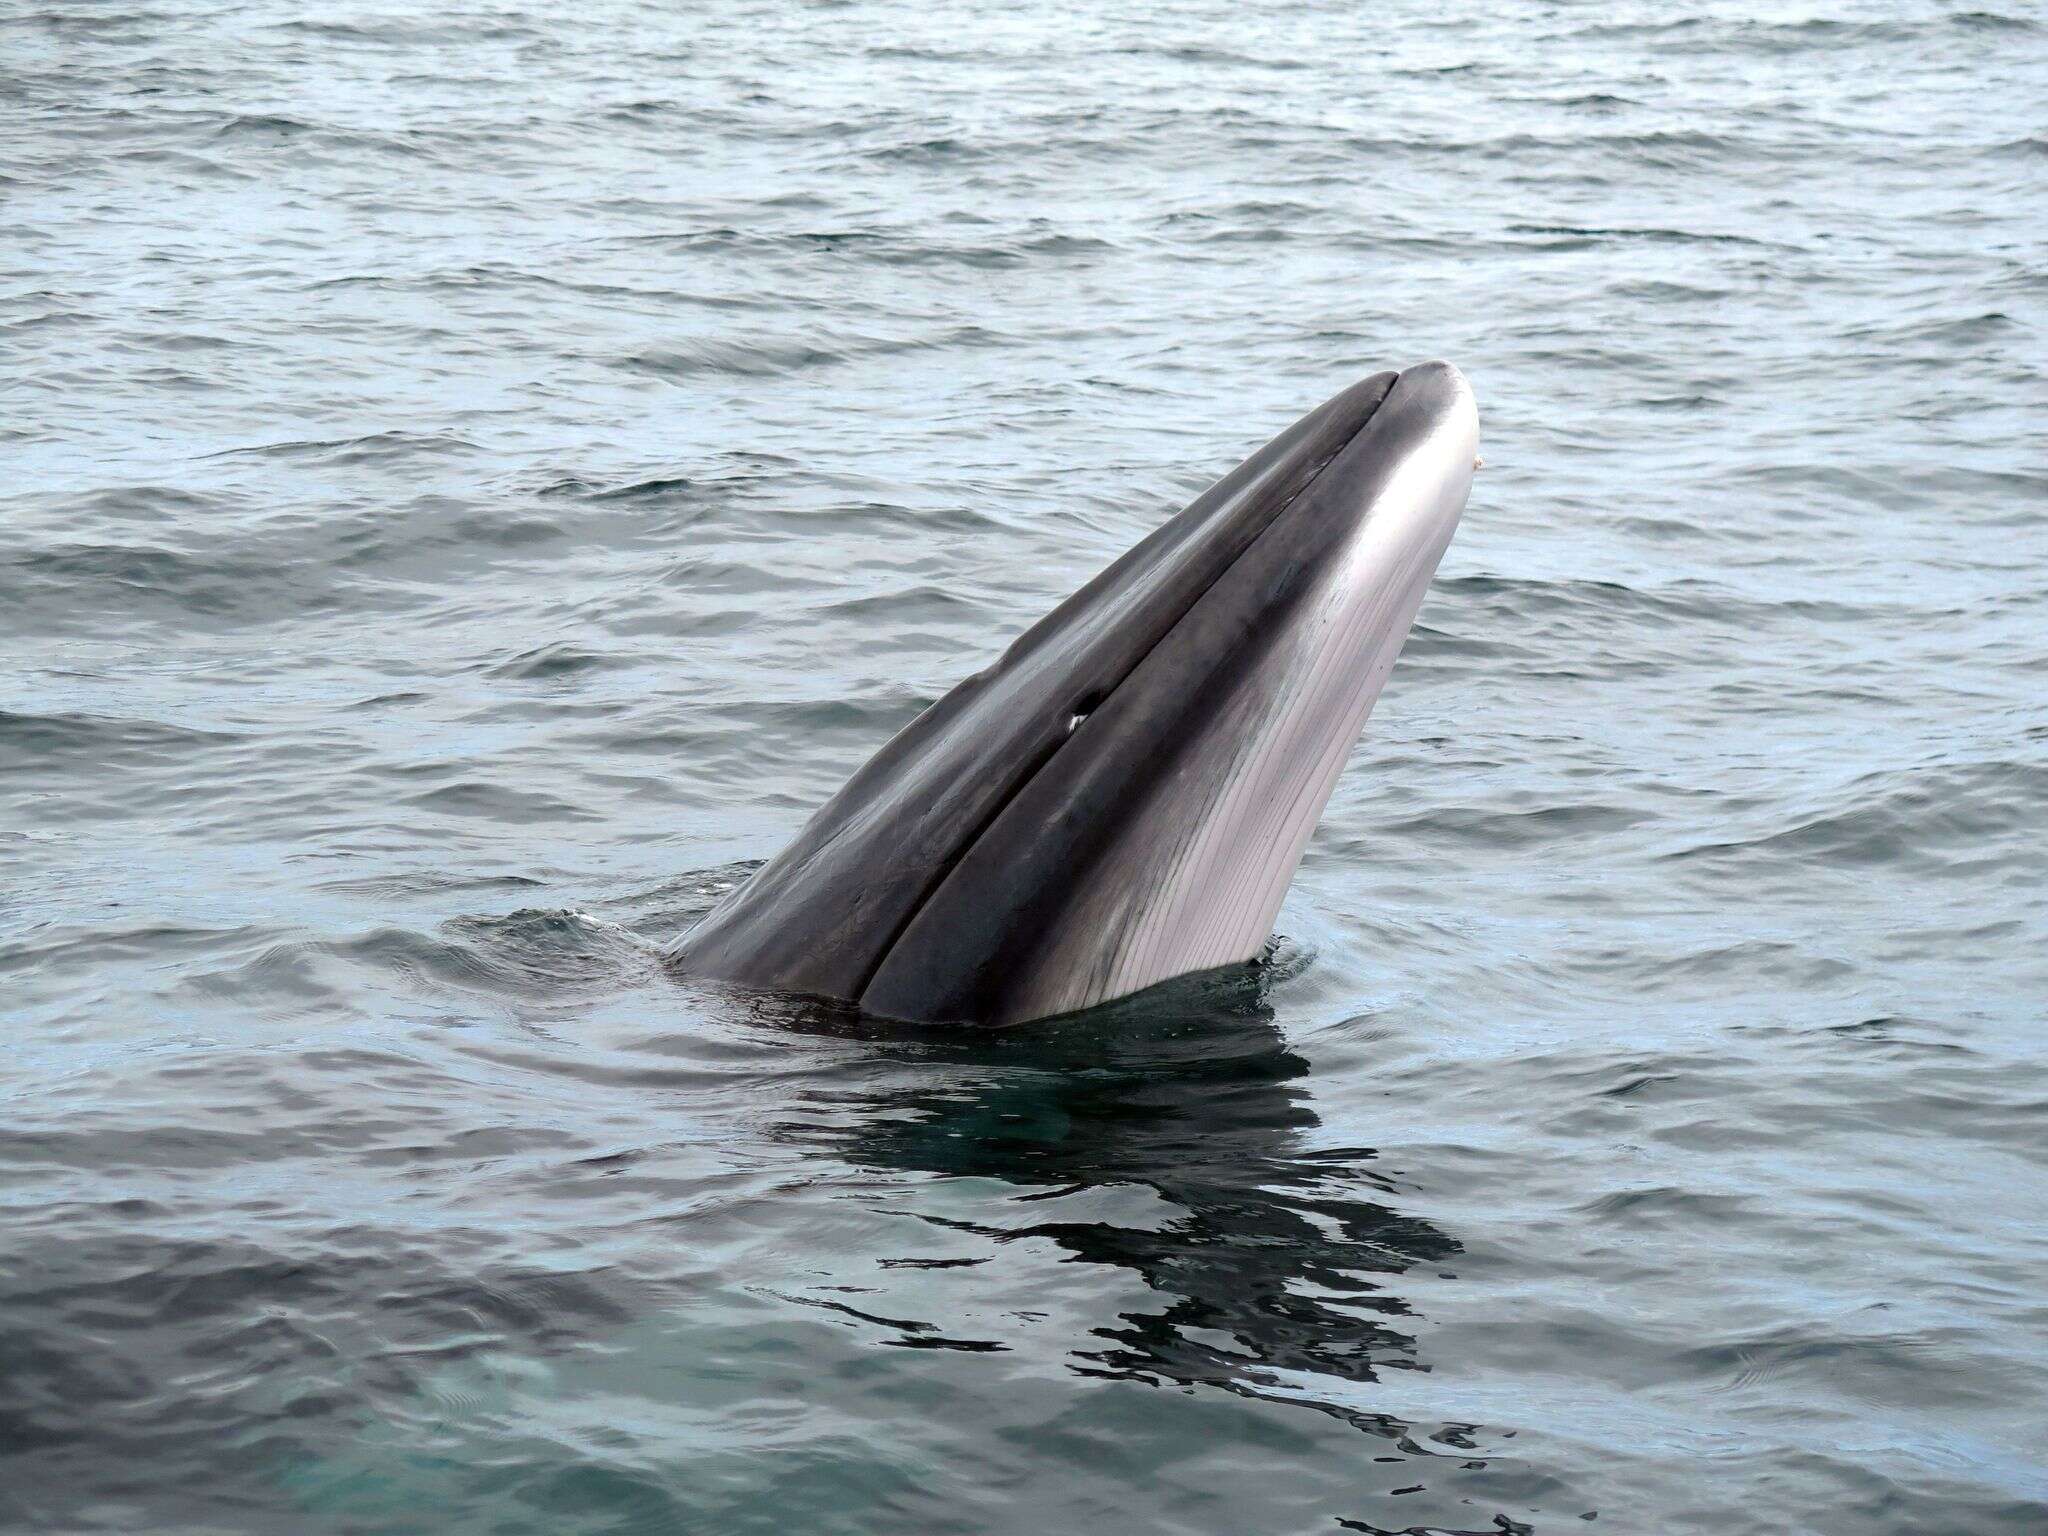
(1124, 796)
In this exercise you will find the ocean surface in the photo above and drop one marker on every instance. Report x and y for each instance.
(472, 478)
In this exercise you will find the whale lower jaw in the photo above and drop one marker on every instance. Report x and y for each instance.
(1124, 797)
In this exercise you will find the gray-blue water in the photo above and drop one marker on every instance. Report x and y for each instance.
(475, 478)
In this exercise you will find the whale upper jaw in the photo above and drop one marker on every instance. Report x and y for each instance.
(1125, 794)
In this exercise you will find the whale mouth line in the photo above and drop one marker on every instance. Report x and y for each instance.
(1095, 698)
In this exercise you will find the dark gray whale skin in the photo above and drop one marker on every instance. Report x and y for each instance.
(1125, 793)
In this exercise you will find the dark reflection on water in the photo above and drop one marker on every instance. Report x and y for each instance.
(1275, 1254)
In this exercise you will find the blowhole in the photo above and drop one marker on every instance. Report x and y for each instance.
(1081, 709)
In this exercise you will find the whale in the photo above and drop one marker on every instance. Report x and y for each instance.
(1125, 794)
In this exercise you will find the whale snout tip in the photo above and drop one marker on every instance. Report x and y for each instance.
(1440, 372)
(1451, 408)
(1441, 387)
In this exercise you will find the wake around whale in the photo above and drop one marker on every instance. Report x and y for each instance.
(1125, 794)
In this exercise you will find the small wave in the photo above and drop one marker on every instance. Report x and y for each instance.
(480, 799)
(371, 448)
(662, 488)
(1994, 21)
(885, 248)
(536, 946)
(427, 883)
(1472, 828)
(1653, 234)
(1695, 603)
(553, 663)
(262, 125)
(1707, 35)
(758, 358)
(37, 744)
(524, 956)
(406, 31)
(1197, 53)
(1896, 1037)
(1884, 1364)
(67, 584)
(924, 604)
(1963, 820)
(944, 150)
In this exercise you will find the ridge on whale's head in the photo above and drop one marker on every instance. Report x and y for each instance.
(1125, 794)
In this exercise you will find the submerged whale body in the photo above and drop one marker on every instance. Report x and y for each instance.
(1125, 794)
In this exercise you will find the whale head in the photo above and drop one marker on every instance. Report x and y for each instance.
(1125, 794)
